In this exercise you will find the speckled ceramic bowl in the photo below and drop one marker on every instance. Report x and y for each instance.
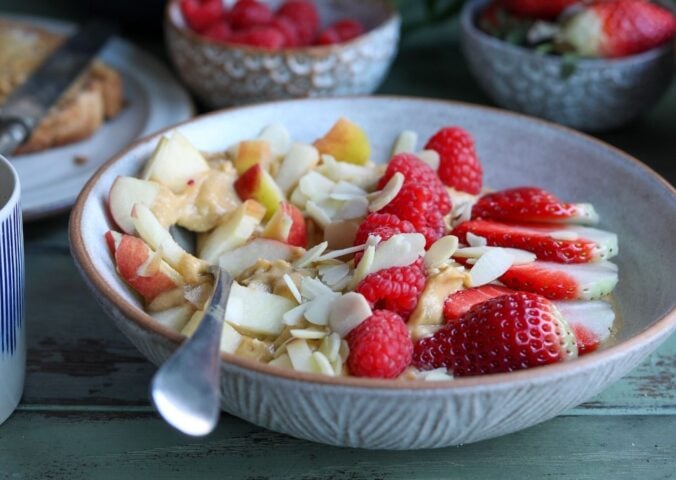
(223, 75)
(599, 95)
(388, 414)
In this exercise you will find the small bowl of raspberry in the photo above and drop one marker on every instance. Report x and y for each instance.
(249, 51)
(593, 65)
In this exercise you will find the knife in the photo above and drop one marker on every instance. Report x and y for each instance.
(31, 101)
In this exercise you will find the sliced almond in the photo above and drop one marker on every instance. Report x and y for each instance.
(355, 207)
(490, 267)
(294, 316)
(476, 240)
(348, 312)
(405, 143)
(521, 257)
(311, 255)
(322, 364)
(308, 333)
(430, 157)
(292, 288)
(330, 346)
(311, 288)
(441, 251)
(398, 251)
(342, 252)
(364, 266)
(300, 355)
(319, 309)
(283, 361)
(388, 193)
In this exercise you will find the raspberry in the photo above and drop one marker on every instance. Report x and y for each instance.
(328, 37)
(262, 37)
(396, 288)
(288, 29)
(304, 15)
(380, 346)
(459, 165)
(249, 13)
(381, 224)
(201, 15)
(220, 32)
(341, 31)
(416, 171)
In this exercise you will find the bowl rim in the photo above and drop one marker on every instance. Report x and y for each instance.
(392, 16)
(468, 27)
(664, 326)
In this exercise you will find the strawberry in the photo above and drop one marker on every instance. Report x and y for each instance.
(531, 204)
(220, 32)
(554, 243)
(458, 303)
(506, 333)
(618, 28)
(557, 281)
(201, 15)
(341, 31)
(459, 166)
(304, 16)
(287, 28)
(543, 9)
(268, 38)
(248, 14)
(591, 322)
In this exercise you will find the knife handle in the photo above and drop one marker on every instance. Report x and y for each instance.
(13, 132)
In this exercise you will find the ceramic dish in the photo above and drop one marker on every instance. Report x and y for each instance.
(222, 75)
(51, 179)
(388, 414)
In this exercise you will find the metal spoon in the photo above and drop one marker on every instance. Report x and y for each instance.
(186, 388)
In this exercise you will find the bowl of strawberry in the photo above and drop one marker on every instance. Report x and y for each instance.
(248, 51)
(591, 65)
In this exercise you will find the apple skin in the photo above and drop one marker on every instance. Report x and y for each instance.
(130, 254)
(251, 152)
(346, 142)
(257, 184)
(287, 225)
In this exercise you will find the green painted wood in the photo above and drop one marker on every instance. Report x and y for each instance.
(129, 446)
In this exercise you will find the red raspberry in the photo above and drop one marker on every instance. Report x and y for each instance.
(249, 13)
(262, 37)
(380, 224)
(304, 15)
(396, 288)
(328, 37)
(416, 171)
(288, 29)
(201, 15)
(380, 347)
(220, 32)
(459, 165)
(341, 31)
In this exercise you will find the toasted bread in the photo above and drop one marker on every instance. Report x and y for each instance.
(96, 97)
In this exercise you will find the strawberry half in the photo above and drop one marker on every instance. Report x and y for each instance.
(618, 28)
(459, 303)
(531, 204)
(562, 244)
(592, 322)
(557, 281)
(507, 333)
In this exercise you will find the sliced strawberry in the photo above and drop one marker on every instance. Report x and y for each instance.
(557, 281)
(592, 322)
(562, 244)
(530, 204)
(458, 303)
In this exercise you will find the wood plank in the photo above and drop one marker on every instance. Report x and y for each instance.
(114, 445)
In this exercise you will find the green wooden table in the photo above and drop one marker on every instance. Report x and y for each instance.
(85, 411)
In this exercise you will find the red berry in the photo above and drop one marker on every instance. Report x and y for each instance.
(262, 37)
(328, 37)
(304, 15)
(201, 15)
(249, 13)
(459, 165)
(548, 9)
(288, 29)
(506, 333)
(220, 32)
(380, 347)
(459, 303)
(381, 224)
(348, 29)
(396, 288)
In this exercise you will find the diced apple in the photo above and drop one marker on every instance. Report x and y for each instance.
(131, 255)
(159, 238)
(231, 339)
(175, 163)
(257, 184)
(126, 191)
(287, 225)
(250, 153)
(300, 160)
(213, 198)
(233, 232)
(113, 240)
(255, 311)
(238, 260)
(365, 177)
(175, 318)
(278, 137)
(346, 142)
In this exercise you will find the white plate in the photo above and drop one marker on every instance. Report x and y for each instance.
(52, 179)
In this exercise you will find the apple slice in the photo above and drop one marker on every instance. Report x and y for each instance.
(230, 338)
(234, 232)
(346, 142)
(256, 312)
(176, 317)
(250, 153)
(140, 267)
(238, 260)
(213, 198)
(126, 191)
(257, 184)
(175, 163)
(159, 238)
(287, 225)
(300, 160)
(278, 137)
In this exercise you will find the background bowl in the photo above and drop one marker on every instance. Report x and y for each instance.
(389, 414)
(222, 75)
(598, 95)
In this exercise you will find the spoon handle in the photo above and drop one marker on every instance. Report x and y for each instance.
(186, 388)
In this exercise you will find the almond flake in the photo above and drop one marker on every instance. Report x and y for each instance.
(311, 288)
(476, 240)
(283, 361)
(315, 186)
(347, 189)
(430, 157)
(344, 350)
(319, 309)
(334, 274)
(318, 214)
(311, 255)
(348, 312)
(388, 193)
(322, 364)
(399, 250)
(441, 251)
(294, 316)
(330, 346)
(307, 333)
(364, 266)
(436, 375)
(337, 365)
(342, 252)
(300, 355)
(490, 267)
(521, 257)
(356, 207)
(292, 287)
(405, 143)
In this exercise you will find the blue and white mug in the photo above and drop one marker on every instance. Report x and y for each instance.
(12, 325)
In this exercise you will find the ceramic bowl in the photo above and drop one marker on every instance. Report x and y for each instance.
(223, 75)
(388, 414)
(598, 95)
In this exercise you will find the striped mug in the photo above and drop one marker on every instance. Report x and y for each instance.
(12, 327)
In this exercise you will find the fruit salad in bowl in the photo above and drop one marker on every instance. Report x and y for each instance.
(412, 269)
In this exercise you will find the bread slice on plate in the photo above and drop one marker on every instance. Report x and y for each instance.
(95, 98)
